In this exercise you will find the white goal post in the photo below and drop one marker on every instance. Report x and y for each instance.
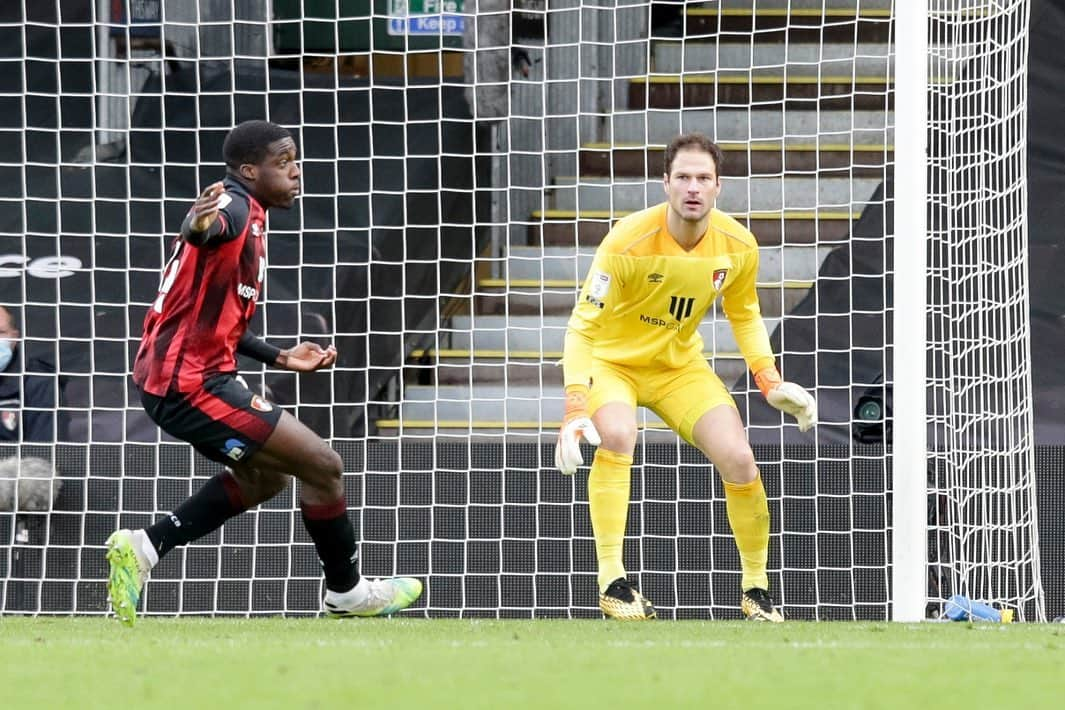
(909, 542)
(461, 160)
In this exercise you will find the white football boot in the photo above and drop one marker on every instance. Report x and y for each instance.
(373, 597)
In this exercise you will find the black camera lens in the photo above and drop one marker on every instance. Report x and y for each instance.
(870, 410)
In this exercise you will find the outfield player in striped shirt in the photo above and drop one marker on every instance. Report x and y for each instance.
(186, 370)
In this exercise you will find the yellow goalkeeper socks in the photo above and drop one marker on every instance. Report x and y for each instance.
(608, 503)
(748, 514)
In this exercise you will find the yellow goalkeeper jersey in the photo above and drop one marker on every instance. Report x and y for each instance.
(644, 296)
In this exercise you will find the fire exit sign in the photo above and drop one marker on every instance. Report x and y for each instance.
(425, 17)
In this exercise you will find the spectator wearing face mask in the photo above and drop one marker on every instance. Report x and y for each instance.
(27, 396)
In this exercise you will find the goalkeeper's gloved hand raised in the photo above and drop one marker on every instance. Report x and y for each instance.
(575, 424)
(788, 397)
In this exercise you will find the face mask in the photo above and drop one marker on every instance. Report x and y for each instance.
(5, 354)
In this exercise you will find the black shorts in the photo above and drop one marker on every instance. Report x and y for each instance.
(224, 420)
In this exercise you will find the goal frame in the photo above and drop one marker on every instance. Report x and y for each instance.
(909, 529)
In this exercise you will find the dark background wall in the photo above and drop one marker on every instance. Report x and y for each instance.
(1046, 216)
(364, 256)
(493, 531)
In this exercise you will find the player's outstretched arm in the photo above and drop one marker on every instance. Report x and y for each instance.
(307, 357)
(203, 215)
(788, 397)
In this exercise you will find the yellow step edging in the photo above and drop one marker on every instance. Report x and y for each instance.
(480, 424)
(756, 146)
(870, 13)
(574, 284)
(760, 216)
(748, 79)
(549, 357)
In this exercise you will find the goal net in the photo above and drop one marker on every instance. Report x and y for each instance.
(461, 160)
(983, 540)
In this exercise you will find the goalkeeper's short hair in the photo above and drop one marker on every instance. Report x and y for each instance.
(693, 141)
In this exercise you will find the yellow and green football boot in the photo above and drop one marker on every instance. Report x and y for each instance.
(129, 571)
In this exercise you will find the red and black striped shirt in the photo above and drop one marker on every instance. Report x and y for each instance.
(206, 299)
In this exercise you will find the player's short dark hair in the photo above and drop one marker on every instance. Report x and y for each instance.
(248, 142)
(693, 141)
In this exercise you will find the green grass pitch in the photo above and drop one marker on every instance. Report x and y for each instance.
(417, 663)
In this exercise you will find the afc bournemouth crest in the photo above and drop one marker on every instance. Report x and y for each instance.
(261, 404)
(719, 278)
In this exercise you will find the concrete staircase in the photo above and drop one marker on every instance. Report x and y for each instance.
(801, 112)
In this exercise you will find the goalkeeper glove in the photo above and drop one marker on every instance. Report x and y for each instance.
(788, 397)
(575, 424)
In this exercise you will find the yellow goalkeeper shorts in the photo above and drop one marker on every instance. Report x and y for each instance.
(679, 396)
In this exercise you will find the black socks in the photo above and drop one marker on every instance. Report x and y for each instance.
(219, 500)
(334, 539)
(203, 512)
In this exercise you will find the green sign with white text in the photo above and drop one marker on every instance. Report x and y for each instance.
(425, 17)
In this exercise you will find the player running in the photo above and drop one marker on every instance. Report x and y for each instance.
(186, 370)
(633, 340)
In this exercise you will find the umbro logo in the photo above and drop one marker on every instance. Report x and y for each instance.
(655, 278)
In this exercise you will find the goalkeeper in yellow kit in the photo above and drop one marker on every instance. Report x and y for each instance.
(633, 340)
